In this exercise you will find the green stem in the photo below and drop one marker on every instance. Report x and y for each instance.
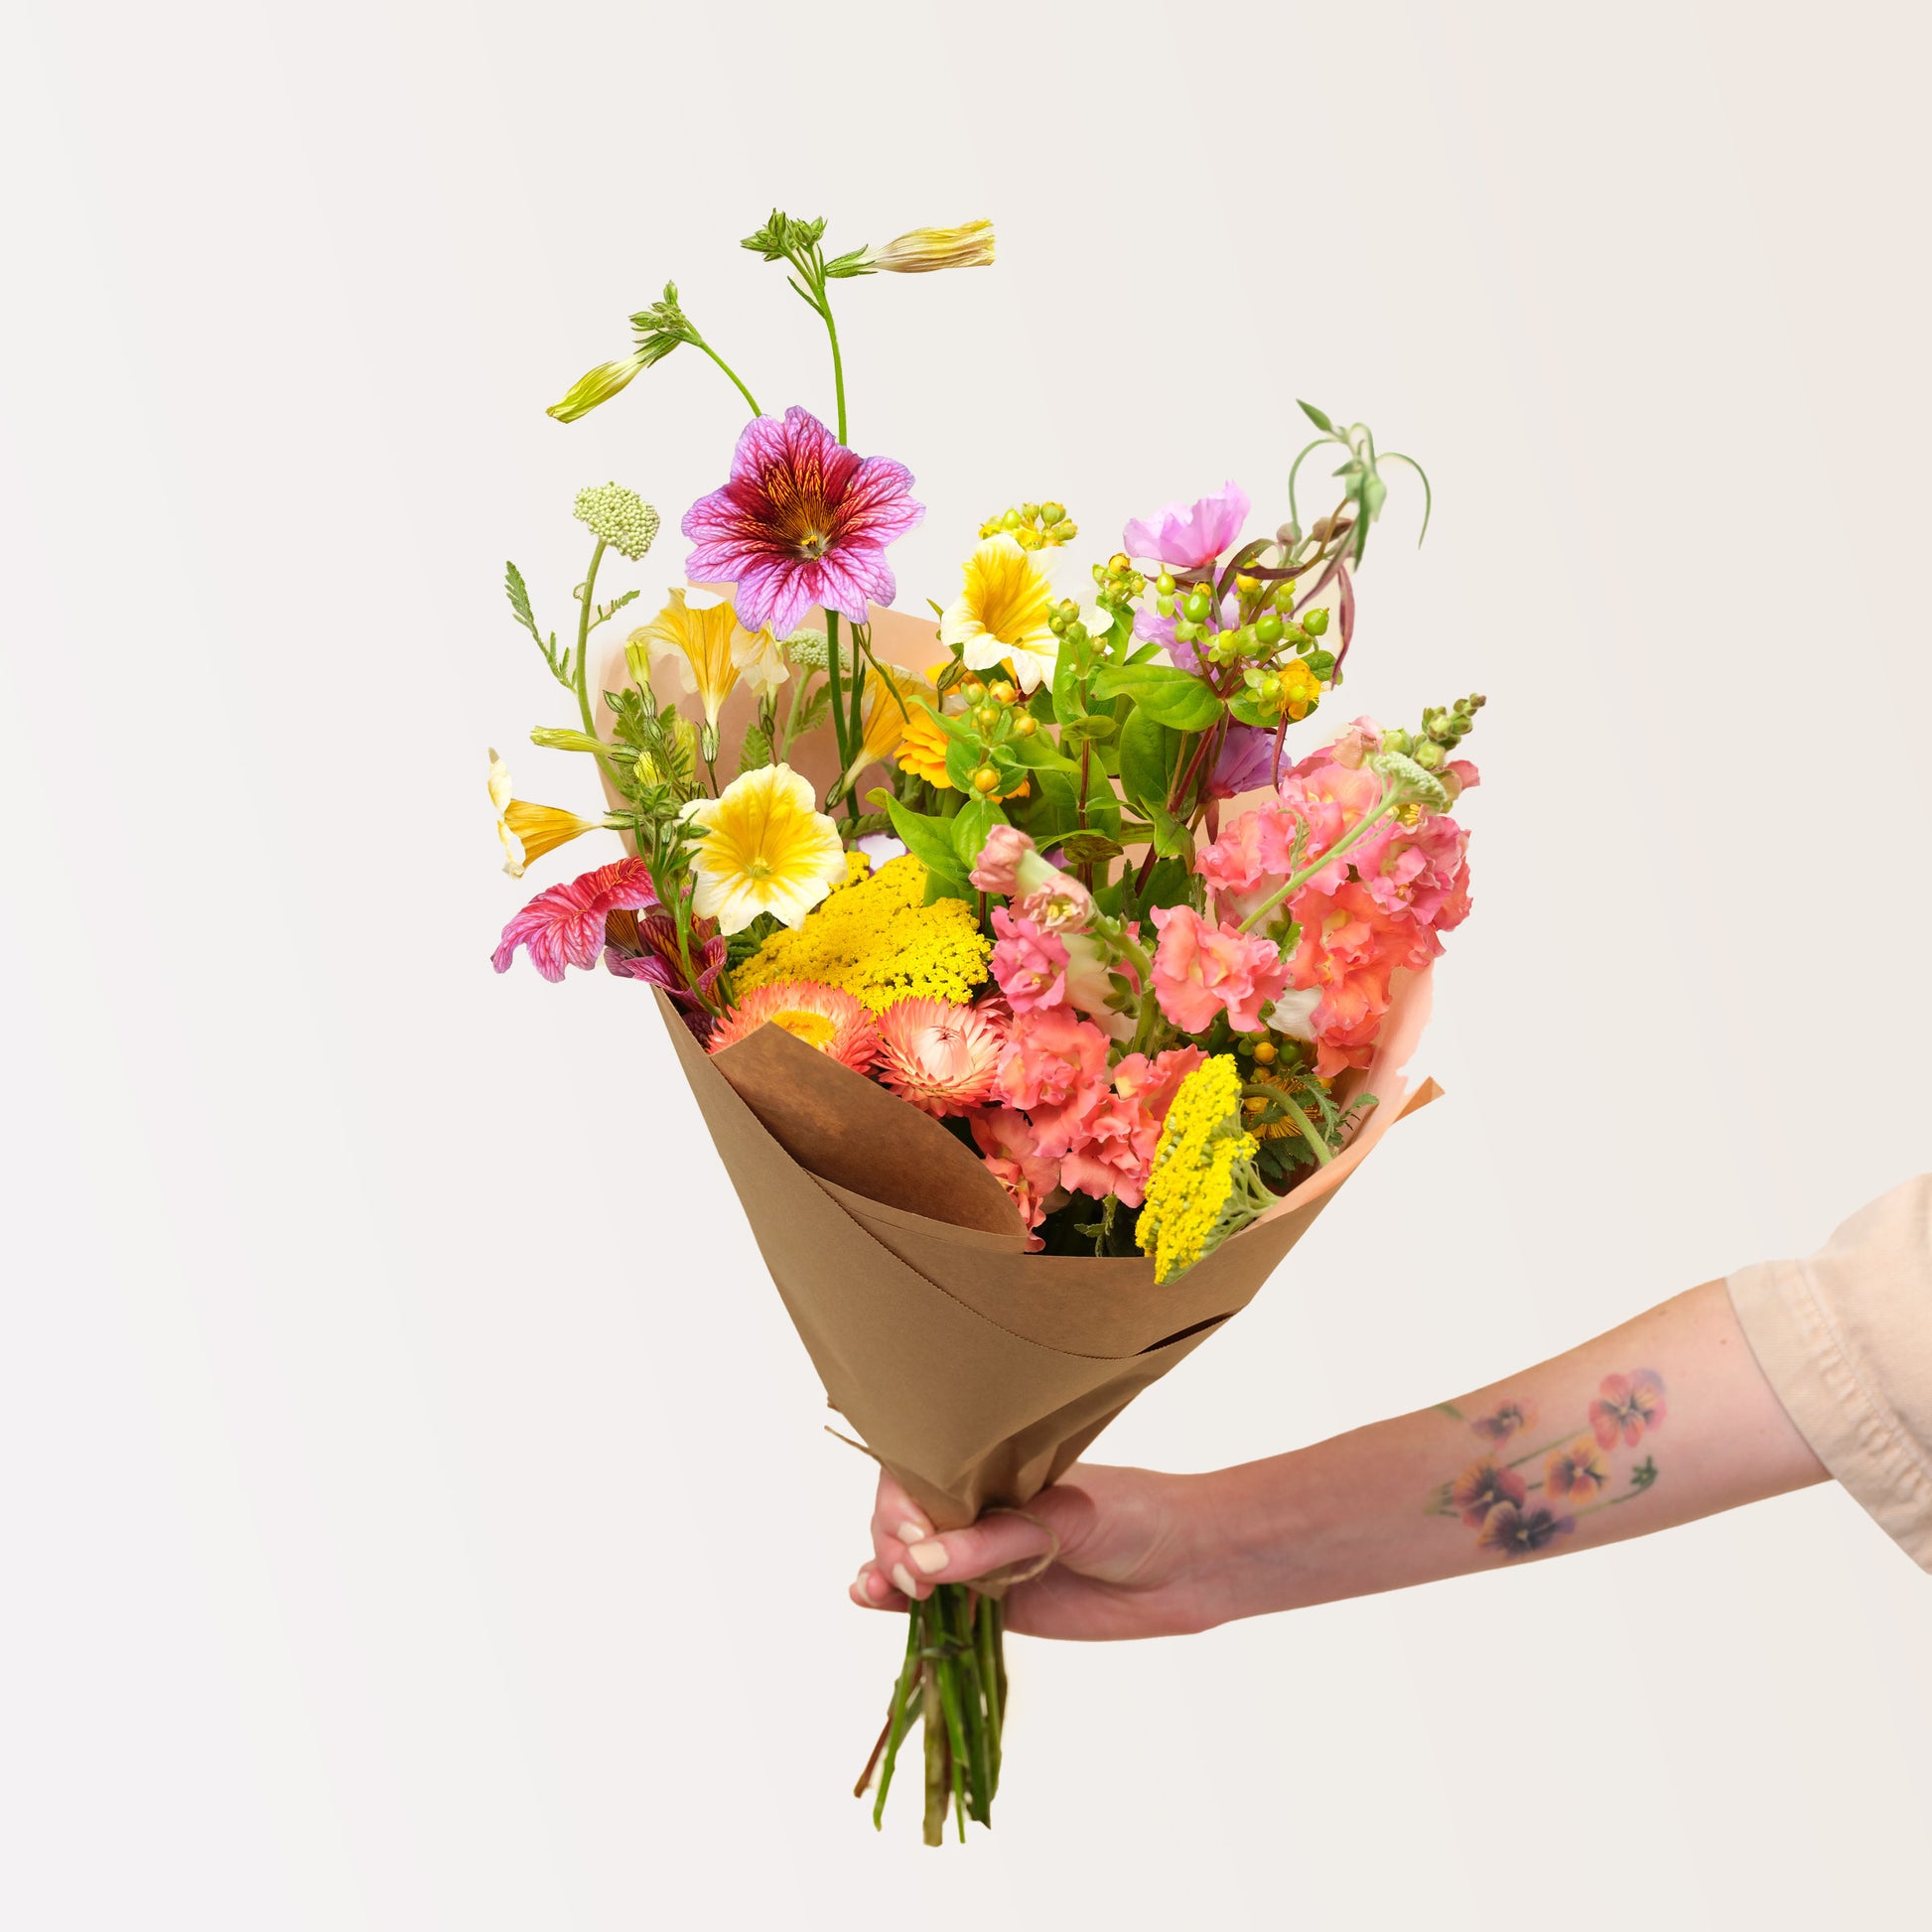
(752, 400)
(902, 1715)
(838, 365)
(1391, 797)
(581, 671)
(1323, 1153)
(1562, 1441)
(832, 676)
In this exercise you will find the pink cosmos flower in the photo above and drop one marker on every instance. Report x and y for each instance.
(997, 869)
(1006, 1142)
(1055, 1069)
(1200, 970)
(564, 926)
(1188, 535)
(938, 1055)
(1029, 962)
(802, 522)
(1117, 1153)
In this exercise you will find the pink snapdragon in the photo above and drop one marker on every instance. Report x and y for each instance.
(1055, 1069)
(1012, 1155)
(1201, 969)
(997, 869)
(1029, 962)
(1420, 870)
(1349, 949)
(1117, 1153)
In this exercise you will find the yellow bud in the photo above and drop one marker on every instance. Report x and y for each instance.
(985, 778)
(1266, 1051)
(1003, 692)
(1025, 724)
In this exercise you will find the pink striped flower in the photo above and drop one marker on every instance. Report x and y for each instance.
(565, 925)
(802, 522)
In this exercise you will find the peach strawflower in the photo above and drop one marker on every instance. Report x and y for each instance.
(825, 1018)
(940, 1056)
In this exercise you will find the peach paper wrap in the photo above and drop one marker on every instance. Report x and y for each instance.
(974, 1371)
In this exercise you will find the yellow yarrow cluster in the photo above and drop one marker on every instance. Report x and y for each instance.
(1202, 1186)
(872, 937)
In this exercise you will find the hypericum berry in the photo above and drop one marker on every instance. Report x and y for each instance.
(986, 716)
(1165, 583)
(1196, 606)
(1025, 724)
(1269, 630)
(1052, 513)
(1266, 1051)
(1003, 692)
(985, 778)
(1316, 622)
(972, 690)
(1165, 605)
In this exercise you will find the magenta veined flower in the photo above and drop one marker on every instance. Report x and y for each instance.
(802, 522)
(565, 926)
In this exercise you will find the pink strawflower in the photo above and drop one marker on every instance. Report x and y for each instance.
(1029, 962)
(1348, 948)
(1055, 1069)
(997, 870)
(802, 522)
(1117, 1153)
(1201, 969)
(938, 1055)
(1189, 535)
(826, 1017)
(1006, 1144)
(564, 926)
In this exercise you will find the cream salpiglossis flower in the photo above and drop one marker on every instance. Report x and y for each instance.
(1001, 614)
(920, 250)
(529, 831)
(765, 849)
(712, 651)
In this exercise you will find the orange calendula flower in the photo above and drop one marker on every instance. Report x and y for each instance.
(1483, 1487)
(826, 1020)
(1579, 1470)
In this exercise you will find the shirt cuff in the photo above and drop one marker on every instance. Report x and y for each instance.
(1850, 1425)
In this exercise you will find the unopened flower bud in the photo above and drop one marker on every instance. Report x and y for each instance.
(1165, 583)
(1003, 692)
(1316, 624)
(1266, 1053)
(972, 690)
(1052, 513)
(1428, 754)
(619, 516)
(986, 716)
(1269, 630)
(1025, 724)
(985, 778)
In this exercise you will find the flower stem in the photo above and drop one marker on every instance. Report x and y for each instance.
(838, 365)
(730, 371)
(1392, 797)
(582, 667)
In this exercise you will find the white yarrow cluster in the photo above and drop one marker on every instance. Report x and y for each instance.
(619, 516)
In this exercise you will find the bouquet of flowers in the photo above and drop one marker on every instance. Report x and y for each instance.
(1036, 990)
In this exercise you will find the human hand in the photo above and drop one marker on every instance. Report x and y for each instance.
(1135, 1556)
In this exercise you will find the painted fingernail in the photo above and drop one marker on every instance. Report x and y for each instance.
(903, 1576)
(930, 1556)
(912, 1531)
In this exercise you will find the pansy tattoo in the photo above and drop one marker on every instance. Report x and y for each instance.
(1577, 1469)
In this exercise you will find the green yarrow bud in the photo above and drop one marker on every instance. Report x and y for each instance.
(619, 516)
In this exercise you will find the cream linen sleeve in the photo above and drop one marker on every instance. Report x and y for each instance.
(1845, 1340)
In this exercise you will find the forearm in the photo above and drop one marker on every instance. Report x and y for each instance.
(1665, 1419)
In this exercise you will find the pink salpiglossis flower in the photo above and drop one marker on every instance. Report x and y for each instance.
(802, 522)
(1117, 1153)
(1188, 535)
(564, 926)
(1054, 1069)
(646, 948)
(1012, 1155)
(997, 869)
(1627, 1405)
(1350, 947)
(1029, 962)
(1246, 757)
(1201, 969)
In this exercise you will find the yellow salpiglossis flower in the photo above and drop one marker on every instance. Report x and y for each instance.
(1002, 612)
(711, 649)
(920, 250)
(529, 831)
(765, 849)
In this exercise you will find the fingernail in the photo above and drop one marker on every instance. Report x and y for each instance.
(903, 1576)
(930, 1556)
(911, 1531)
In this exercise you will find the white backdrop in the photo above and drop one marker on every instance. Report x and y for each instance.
(416, 1512)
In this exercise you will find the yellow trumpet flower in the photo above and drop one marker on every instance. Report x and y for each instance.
(711, 648)
(920, 250)
(1002, 612)
(529, 831)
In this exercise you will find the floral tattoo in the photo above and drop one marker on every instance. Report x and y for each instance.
(1577, 1469)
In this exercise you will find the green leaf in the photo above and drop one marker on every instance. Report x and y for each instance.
(1318, 417)
(519, 597)
(1066, 700)
(1245, 708)
(930, 840)
(756, 751)
(1039, 754)
(1172, 839)
(1088, 725)
(970, 825)
(1166, 694)
(1149, 751)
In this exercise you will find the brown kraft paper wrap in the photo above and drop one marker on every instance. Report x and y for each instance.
(974, 1371)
